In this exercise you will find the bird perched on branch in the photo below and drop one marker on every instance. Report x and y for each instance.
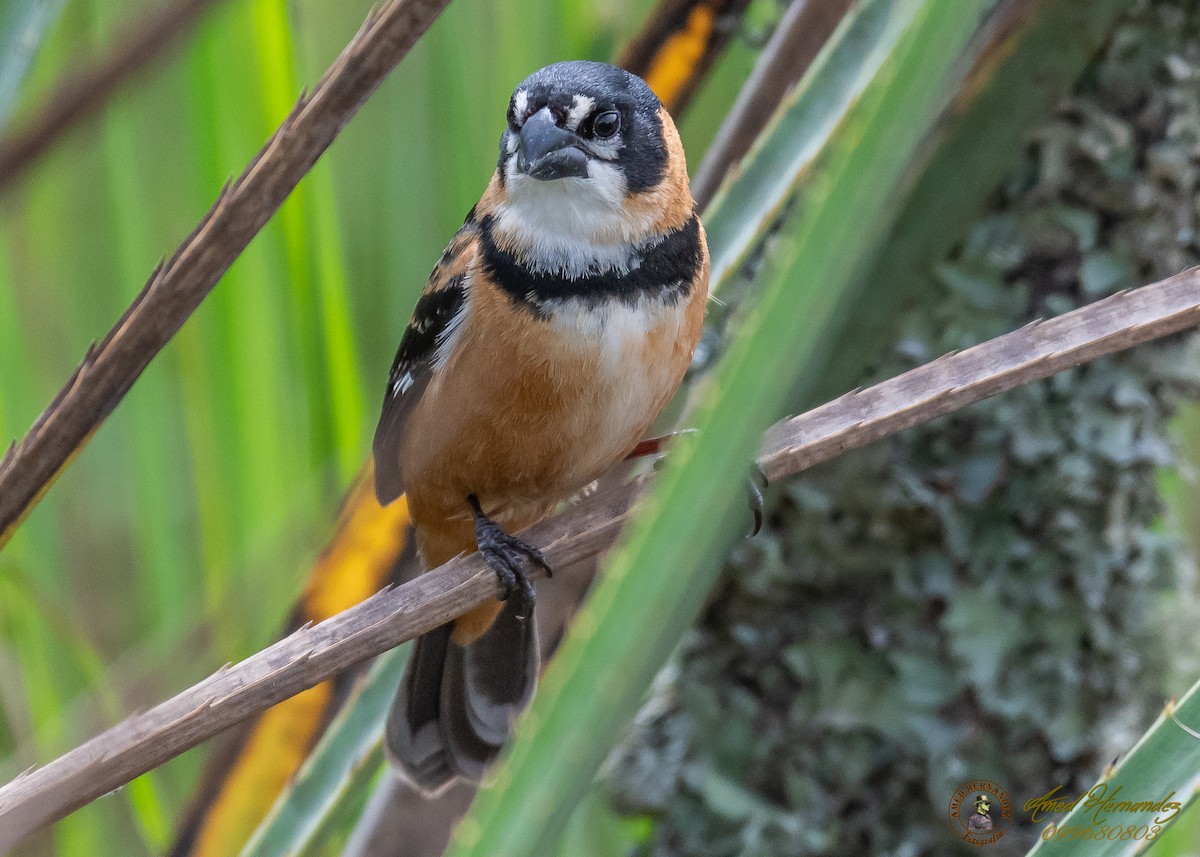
(554, 329)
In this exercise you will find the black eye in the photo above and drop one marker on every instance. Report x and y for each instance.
(606, 124)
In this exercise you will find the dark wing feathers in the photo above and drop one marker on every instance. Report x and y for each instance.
(441, 301)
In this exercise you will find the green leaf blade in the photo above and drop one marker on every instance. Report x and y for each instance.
(1163, 764)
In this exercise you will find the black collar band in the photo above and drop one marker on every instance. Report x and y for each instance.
(663, 270)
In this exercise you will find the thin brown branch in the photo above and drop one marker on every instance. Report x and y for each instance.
(311, 655)
(91, 83)
(177, 287)
(950, 383)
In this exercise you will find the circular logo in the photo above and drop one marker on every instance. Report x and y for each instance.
(980, 812)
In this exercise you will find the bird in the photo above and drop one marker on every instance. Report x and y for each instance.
(556, 326)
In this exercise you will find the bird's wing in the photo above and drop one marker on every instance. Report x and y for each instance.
(434, 320)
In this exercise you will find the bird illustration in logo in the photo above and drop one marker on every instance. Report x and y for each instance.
(981, 819)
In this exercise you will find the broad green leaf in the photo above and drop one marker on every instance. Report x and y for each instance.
(791, 146)
(596, 829)
(1015, 83)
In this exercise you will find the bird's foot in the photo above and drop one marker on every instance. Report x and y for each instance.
(508, 557)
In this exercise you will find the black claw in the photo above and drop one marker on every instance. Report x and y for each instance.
(756, 497)
(535, 556)
(507, 556)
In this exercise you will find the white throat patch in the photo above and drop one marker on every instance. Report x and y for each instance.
(571, 226)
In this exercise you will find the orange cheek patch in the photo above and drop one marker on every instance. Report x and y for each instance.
(492, 198)
(669, 203)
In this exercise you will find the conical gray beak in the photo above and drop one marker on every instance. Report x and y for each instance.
(547, 152)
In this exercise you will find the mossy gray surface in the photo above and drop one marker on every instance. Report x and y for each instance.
(982, 597)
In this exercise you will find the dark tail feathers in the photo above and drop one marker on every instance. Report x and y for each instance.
(456, 704)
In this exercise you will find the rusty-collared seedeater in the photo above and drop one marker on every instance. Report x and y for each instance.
(557, 325)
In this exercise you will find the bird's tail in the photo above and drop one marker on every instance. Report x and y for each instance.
(456, 705)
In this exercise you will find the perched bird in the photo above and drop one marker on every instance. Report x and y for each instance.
(554, 329)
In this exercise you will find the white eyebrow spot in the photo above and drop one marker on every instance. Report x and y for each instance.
(520, 104)
(581, 106)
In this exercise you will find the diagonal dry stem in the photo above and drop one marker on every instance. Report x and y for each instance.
(312, 654)
(178, 286)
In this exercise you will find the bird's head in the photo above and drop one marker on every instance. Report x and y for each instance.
(584, 120)
(590, 157)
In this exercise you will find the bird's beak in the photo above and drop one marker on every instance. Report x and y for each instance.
(548, 152)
